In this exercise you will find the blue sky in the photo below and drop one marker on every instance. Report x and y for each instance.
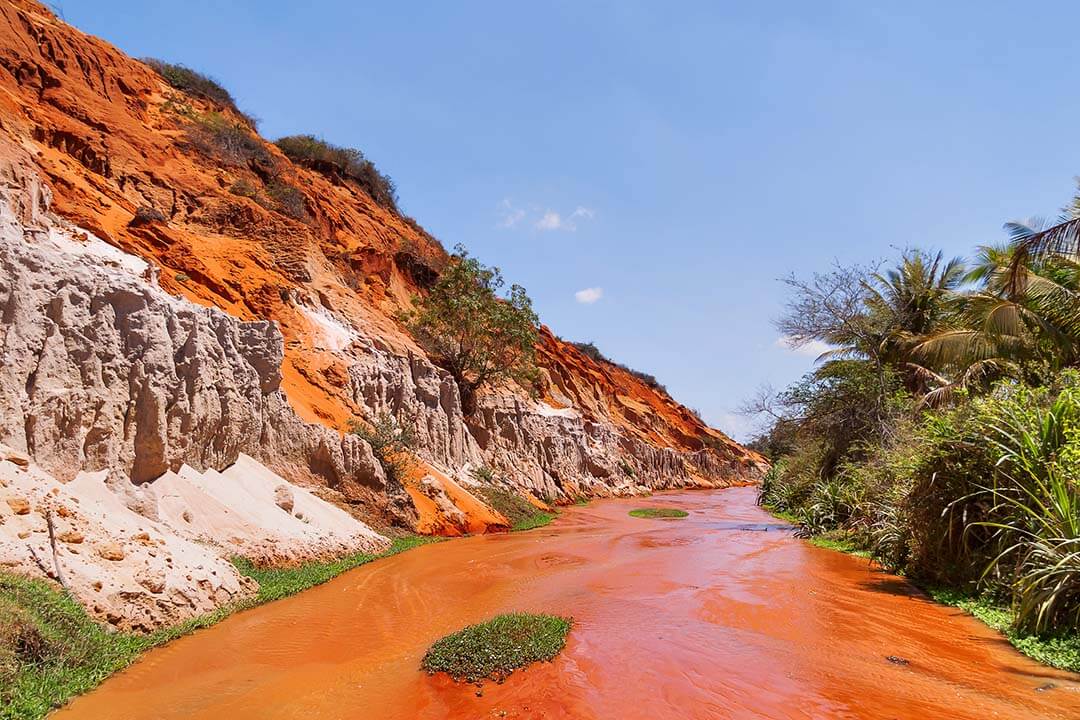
(671, 160)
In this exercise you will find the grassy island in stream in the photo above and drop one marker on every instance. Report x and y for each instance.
(492, 650)
(51, 650)
(663, 513)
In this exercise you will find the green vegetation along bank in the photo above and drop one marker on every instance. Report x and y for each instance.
(939, 432)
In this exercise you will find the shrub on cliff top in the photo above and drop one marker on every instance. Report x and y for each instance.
(348, 163)
(478, 336)
(590, 350)
(196, 84)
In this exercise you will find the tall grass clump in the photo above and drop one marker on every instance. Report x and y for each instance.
(1034, 516)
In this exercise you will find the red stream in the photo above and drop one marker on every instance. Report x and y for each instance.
(720, 615)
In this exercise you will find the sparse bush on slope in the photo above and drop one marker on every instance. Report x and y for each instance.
(197, 84)
(347, 163)
(590, 350)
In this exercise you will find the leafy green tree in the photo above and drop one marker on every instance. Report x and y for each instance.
(475, 333)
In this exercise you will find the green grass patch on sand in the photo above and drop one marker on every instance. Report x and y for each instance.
(51, 650)
(521, 513)
(841, 542)
(1059, 651)
(492, 650)
(658, 513)
(279, 582)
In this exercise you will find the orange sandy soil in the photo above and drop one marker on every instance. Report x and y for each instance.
(479, 518)
(720, 615)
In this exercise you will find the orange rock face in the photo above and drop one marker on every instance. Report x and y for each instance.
(110, 137)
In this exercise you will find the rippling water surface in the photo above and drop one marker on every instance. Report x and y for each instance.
(720, 615)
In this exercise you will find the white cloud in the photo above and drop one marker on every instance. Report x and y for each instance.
(510, 215)
(589, 295)
(583, 213)
(552, 220)
(812, 349)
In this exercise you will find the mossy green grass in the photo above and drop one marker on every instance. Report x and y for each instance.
(492, 650)
(660, 513)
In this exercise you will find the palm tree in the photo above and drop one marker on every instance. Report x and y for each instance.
(1023, 314)
(909, 302)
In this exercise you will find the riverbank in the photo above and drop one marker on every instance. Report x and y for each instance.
(723, 609)
(51, 650)
(67, 653)
(1061, 652)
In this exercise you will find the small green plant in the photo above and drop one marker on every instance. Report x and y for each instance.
(244, 188)
(484, 474)
(492, 650)
(666, 513)
(627, 468)
(181, 277)
(391, 442)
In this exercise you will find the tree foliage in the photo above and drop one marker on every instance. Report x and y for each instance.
(475, 332)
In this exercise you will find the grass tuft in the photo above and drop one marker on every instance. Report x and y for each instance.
(668, 513)
(494, 649)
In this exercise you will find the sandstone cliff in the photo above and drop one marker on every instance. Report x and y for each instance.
(162, 320)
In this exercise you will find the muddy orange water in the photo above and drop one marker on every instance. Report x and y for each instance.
(720, 615)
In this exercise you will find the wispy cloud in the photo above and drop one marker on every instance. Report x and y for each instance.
(509, 214)
(812, 349)
(589, 295)
(582, 213)
(550, 220)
